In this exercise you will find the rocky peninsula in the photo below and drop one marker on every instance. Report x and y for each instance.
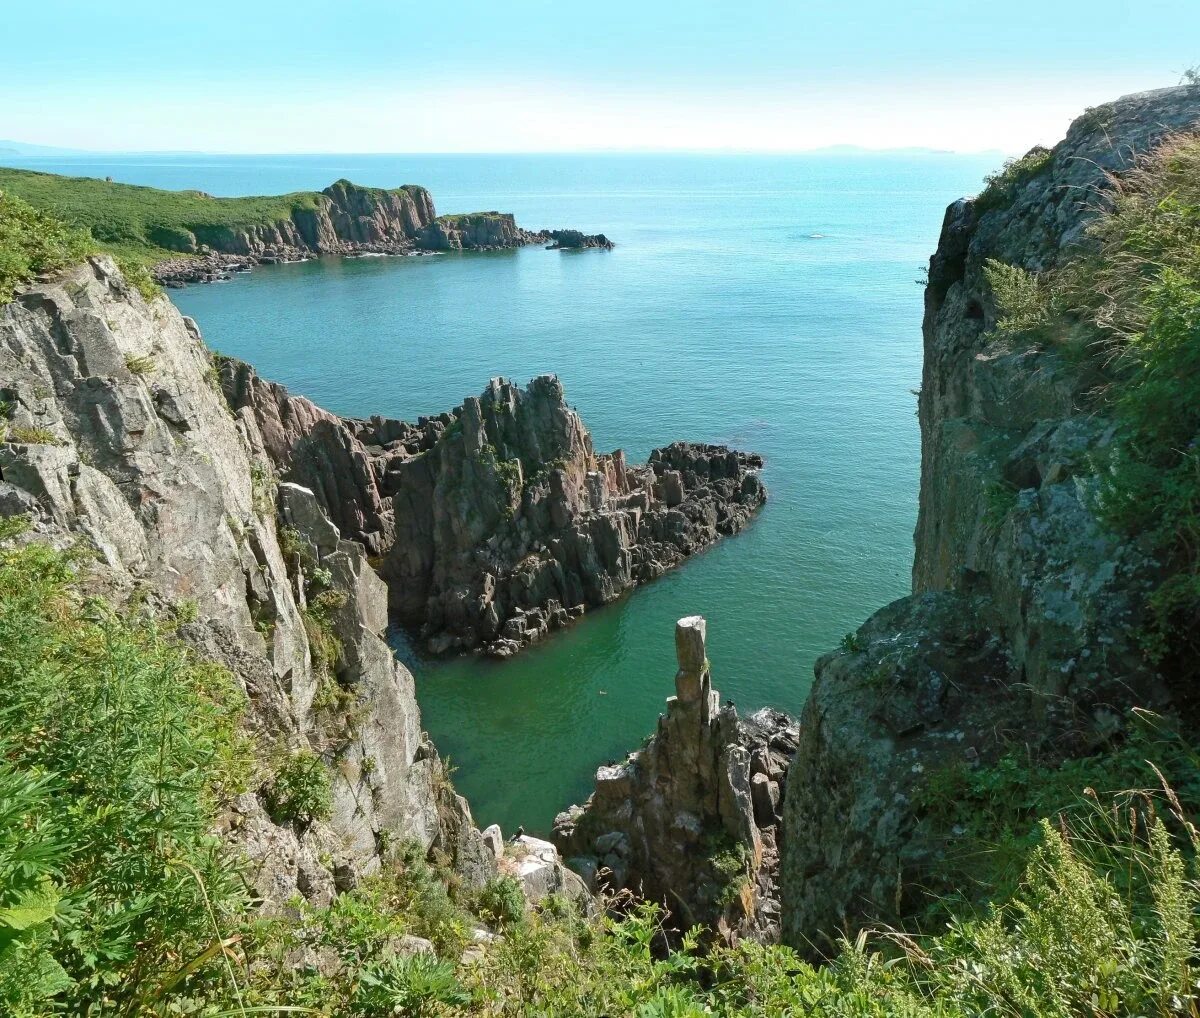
(496, 522)
(193, 237)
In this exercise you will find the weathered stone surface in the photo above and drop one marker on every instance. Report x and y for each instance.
(656, 821)
(494, 839)
(178, 497)
(1024, 609)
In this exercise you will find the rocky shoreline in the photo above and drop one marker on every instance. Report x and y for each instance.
(353, 221)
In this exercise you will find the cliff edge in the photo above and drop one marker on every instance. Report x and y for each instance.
(1023, 626)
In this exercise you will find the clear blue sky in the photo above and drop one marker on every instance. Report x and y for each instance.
(538, 75)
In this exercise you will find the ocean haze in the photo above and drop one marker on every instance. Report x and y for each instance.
(768, 302)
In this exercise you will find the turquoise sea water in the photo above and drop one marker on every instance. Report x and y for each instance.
(766, 302)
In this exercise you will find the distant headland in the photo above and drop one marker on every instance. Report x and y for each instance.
(190, 236)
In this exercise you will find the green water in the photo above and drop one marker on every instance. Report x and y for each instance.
(765, 302)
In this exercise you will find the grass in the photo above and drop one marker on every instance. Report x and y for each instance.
(142, 226)
(146, 223)
(1129, 302)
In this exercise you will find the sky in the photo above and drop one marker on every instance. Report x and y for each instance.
(566, 75)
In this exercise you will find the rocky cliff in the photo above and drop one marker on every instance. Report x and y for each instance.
(116, 434)
(497, 522)
(1024, 610)
(692, 819)
(346, 219)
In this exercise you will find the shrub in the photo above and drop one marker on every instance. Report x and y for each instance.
(502, 901)
(414, 985)
(1001, 187)
(300, 790)
(118, 750)
(1021, 299)
(32, 243)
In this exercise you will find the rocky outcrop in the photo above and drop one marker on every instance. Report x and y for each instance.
(346, 219)
(692, 819)
(116, 433)
(1025, 609)
(511, 525)
(497, 522)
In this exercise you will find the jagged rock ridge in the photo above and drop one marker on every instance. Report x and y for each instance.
(497, 522)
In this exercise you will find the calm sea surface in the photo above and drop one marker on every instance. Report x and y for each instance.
(765, 302)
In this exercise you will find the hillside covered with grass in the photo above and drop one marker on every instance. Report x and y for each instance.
(147, 224)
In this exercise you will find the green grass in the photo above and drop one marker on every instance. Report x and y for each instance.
(32, 243)
(146, 223)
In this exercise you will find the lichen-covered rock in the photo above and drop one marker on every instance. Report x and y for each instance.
(679, 821)
(926, 683)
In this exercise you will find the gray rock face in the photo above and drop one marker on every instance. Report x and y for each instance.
(692, 819)
(1024, 607)
(137, 452)
(511, 525)
(497, 522)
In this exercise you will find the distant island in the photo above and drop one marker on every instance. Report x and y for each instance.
(191, 236)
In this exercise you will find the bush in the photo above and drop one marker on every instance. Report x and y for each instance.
(1000, 188)
(32, 243)
(118, 749)
(300, 790)
(414, 985)
(502, 901)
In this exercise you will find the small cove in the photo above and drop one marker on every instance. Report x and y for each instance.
(765, 302)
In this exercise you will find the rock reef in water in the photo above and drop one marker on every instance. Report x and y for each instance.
(497, 522)
(348, 219)
(692, 819)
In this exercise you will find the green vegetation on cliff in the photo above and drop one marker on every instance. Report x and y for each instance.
(120, 749)
(145, 223)
(1130, 299)
(33, 242)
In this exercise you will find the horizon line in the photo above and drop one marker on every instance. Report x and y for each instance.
(846, 148)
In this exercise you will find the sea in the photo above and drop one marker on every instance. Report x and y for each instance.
(772, 303)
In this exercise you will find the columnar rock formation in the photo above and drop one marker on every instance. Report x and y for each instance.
(349, 219)
(692, 819)
(115, 432)
(497, 522)
(1025, 610)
